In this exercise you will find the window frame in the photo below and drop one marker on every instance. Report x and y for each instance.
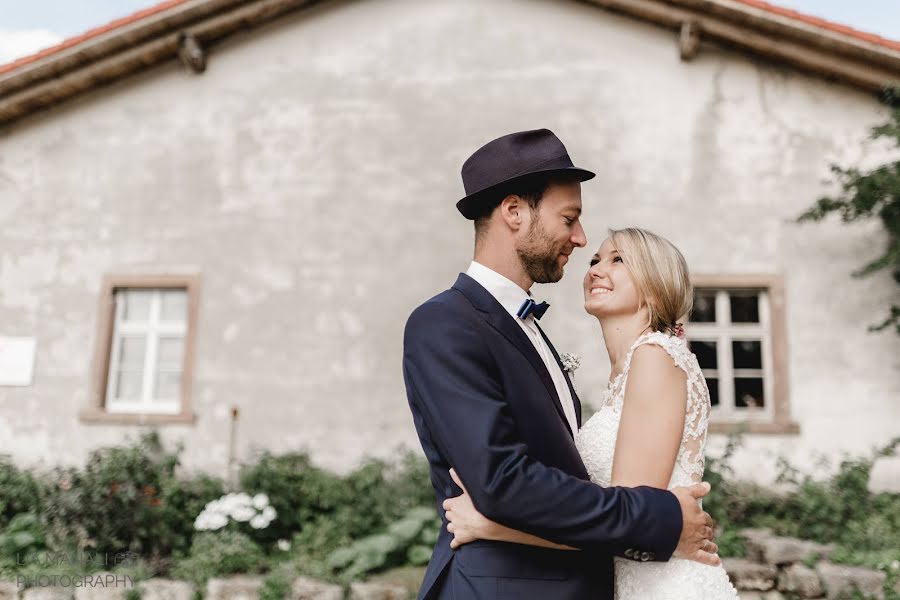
(96, 410)
(775, 417)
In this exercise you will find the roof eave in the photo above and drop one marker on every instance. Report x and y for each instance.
(129, 49)
(854, 61)
(133, 47)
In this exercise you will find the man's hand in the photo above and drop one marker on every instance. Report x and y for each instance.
(696, 541)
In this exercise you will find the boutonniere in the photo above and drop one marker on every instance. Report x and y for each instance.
(570, 362)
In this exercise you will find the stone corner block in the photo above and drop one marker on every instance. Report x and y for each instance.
(166, 589)
(750, 576)
(377, 591)
(239, 587)
(304, 588)
(840, 580)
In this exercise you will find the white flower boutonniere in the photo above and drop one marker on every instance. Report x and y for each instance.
(570, 362)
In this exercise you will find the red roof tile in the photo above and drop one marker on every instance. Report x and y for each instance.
(823, 23)
(162, 6)
(92, 33)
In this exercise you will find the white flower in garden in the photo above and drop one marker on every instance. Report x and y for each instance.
(283, 545)
(259, 522)
(243, 513)
(210, 521)
(239, 507)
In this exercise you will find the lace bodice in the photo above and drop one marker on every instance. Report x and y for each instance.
(596, 440)
(677, 579)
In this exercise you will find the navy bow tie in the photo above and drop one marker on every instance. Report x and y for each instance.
(530, 307)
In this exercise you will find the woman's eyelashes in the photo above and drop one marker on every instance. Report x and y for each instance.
(594, 261)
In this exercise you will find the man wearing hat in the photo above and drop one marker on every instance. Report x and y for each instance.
(490, 399)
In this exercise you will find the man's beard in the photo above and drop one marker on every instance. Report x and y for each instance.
(538, 256)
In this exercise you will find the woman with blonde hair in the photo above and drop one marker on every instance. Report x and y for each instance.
(651, 427)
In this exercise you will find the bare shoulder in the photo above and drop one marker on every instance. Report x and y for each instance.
(653, 367)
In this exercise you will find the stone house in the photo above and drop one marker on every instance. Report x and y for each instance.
(217, 214)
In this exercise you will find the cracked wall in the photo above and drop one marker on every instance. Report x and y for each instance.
(310, 177)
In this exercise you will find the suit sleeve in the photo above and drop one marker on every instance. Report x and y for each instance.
(454, 382)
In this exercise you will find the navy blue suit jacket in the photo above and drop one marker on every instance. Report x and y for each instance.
(483, 403)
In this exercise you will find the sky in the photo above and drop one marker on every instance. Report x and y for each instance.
(31, 25)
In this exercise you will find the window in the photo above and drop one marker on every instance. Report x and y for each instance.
(736, 330)
(143, 359)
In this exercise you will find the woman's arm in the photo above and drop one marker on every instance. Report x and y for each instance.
(652, 420)
(467, 525)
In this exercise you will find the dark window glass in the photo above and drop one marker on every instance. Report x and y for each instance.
(706, 354)
(704, 307)
(748, 392)
(744, 307)
(713, 384)
(747, 354)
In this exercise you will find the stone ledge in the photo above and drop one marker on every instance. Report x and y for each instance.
(839, 580)
(48, 593)
(764, 547)
(166, 589)
(239, 587)
(801, 581)
(9, 590)
(748, 575)
(377, 591)
(304, 588)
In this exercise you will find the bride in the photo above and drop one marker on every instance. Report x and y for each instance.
(651, 426)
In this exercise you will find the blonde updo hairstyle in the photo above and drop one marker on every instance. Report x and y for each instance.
(660, 275)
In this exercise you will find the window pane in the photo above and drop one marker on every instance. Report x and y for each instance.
(167, 385)
(174, 305)
(131, 351)
(706, 354)
(704, 307)
(137, 304)
(713, 384)
(748, 392)
(171, 351)
(744, 307)
(128, 385)
(747, 354)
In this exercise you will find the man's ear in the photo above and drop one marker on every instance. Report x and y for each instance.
(511, 209)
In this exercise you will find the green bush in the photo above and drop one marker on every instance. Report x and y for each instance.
(19, 492)
(113, 504)
(839, 510)
(327, 510)
(404, 542)
(23, 536)
(126, 498)
(181, 501)
(214, 554)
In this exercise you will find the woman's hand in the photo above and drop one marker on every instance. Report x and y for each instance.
(465, 522)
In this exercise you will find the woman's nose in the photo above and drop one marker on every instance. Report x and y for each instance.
(597, 271)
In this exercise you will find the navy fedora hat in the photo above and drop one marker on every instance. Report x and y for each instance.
(524, 155)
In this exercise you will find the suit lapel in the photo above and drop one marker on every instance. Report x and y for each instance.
(565, 373)
(501, 320)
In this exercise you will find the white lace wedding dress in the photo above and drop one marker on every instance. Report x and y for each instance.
(677, 579)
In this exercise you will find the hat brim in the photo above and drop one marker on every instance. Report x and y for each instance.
(472, 205)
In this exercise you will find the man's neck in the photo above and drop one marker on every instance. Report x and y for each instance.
(506, 265)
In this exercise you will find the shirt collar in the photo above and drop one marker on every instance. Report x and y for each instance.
(506, 292)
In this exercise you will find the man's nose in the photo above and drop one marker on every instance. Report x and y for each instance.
(579, 239)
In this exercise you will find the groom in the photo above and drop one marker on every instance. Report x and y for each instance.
(490, 399)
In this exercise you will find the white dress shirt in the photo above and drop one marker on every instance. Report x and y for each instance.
(511, 297)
